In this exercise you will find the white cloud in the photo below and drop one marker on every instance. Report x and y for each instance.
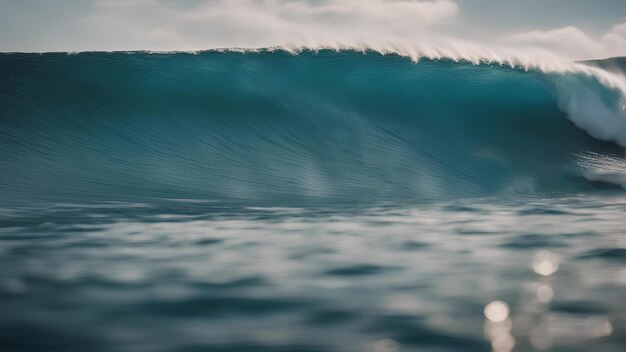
(204, 24)
(574, 43)
(615, 40)
(167, 25)
(418, 27)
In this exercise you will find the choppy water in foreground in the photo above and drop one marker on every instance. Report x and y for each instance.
(200, 276)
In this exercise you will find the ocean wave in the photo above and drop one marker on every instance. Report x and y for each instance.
(342, 125)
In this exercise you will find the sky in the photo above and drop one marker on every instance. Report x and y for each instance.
(574, 29)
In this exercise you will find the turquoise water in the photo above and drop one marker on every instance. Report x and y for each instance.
(330, 201)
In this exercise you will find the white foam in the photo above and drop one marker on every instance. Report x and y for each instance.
(457, 50)
(604, 168)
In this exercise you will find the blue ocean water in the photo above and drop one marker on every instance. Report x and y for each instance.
(325, 201)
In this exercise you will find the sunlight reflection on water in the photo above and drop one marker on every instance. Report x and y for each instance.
(464, 276)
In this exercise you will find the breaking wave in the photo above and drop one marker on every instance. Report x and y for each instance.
(301, 125)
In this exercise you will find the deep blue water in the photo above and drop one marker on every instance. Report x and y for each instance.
(330, 201)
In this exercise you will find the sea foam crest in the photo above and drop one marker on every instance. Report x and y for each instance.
(456, 50)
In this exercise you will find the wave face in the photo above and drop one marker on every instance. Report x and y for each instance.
(330, 127)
